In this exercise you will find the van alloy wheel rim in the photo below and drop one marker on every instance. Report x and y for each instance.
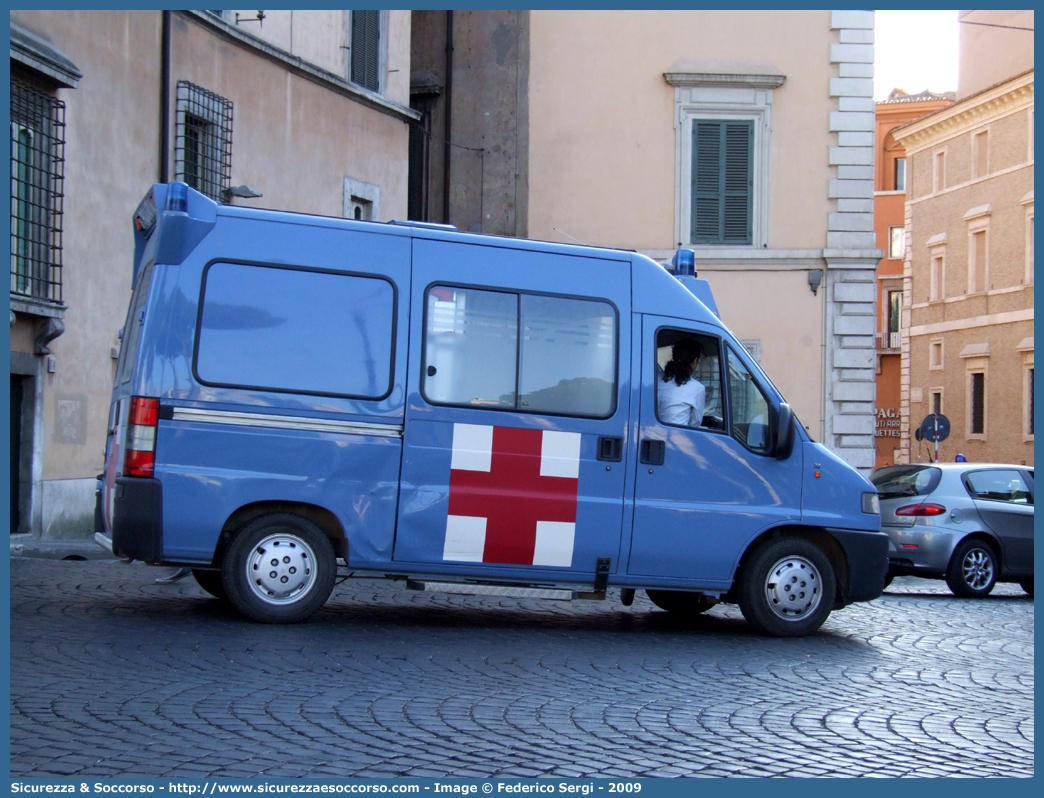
(978, 569)
(793, 588)
(281, 569)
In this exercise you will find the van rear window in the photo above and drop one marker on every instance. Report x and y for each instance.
(295, 330)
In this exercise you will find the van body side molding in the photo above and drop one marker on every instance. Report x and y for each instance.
(287, 422)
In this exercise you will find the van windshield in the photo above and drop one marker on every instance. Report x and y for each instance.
(906, 480)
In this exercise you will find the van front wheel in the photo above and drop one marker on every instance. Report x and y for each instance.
(279, 568)
(786, 588)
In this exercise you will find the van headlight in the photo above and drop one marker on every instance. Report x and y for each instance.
(871, 503)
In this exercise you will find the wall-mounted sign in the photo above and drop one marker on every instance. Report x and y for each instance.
(887, 422)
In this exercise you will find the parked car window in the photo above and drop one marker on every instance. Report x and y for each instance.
(747, 405)
(998, 485)
(523, 352)
(905, 480)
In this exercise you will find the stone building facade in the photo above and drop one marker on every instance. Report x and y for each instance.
(308, 109)
(579, 126)
(967, 348)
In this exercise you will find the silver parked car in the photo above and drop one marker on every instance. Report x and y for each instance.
(968, 523)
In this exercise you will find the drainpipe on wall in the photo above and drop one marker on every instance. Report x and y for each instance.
(449, 113)
(823, 369)
(164, 152)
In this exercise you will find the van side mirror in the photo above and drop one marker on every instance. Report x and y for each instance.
(784, 432)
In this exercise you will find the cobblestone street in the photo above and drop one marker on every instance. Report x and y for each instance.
(113, 674)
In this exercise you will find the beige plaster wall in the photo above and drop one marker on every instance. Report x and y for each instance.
(991, 54)
(112, 157)
(614, 184)
(319, 36)
(790, 331)
(293, 139)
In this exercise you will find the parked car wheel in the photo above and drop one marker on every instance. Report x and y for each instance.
(787, 588)
(680, 602)
(973, 569)
(888, 580)
(1027, 585)
(210, 581)
(280, 568)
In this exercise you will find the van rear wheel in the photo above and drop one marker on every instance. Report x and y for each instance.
(787, 588)
(280, 568)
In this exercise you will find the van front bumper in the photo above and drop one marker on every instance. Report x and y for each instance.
(867, 556)
(137, 519)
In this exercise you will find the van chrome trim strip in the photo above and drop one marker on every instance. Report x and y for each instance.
(287, 422)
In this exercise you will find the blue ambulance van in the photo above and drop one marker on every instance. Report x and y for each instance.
(466, 413)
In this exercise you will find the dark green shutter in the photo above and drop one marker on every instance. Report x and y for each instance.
(366, 48)
(722, 182)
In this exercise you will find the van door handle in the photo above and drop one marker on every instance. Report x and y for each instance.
(610, 449)
(651, 452)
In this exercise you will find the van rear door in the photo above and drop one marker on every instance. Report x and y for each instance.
(514, 444)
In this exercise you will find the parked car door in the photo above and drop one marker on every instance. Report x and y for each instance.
(1004, 500)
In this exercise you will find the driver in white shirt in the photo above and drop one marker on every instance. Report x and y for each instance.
(681, 397)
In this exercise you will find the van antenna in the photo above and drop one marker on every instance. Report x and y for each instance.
(577, 240)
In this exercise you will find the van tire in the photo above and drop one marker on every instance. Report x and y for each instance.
(211, 582)
(777, 571)
(279, 568)
(680, 602)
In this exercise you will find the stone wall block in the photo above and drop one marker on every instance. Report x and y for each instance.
(856, 36)
(852, 19)
(848, 240)
(851, 87)
(854, 325)
(855, 172)
(853, 53)
(853, 138)
(853, 425)
(859, 222)
(855, 292)
(852, 120)
(858, 156)
(855, 206)
(853, 359)
(855, 70)
(857, 189)
(854, 391)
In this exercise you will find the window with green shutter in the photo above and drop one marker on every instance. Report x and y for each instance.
(366, 52)
(722, 181)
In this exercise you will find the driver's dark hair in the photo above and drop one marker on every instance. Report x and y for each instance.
(679, 368)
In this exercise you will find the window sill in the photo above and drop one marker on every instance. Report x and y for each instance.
(32, 306)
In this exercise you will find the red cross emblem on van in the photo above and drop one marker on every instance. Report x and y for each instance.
(512, 496)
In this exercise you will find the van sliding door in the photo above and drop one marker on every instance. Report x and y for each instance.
(514, 455)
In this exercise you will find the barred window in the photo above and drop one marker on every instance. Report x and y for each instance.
(37, 175)
(203, 141)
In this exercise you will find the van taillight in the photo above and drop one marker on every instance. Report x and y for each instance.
(921, 509)
(141, 437)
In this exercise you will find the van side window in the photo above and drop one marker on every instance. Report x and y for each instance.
(132, 329)
(748, 406)
(471, 347)
(522, 352)
(700, 391)
(295, 331)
